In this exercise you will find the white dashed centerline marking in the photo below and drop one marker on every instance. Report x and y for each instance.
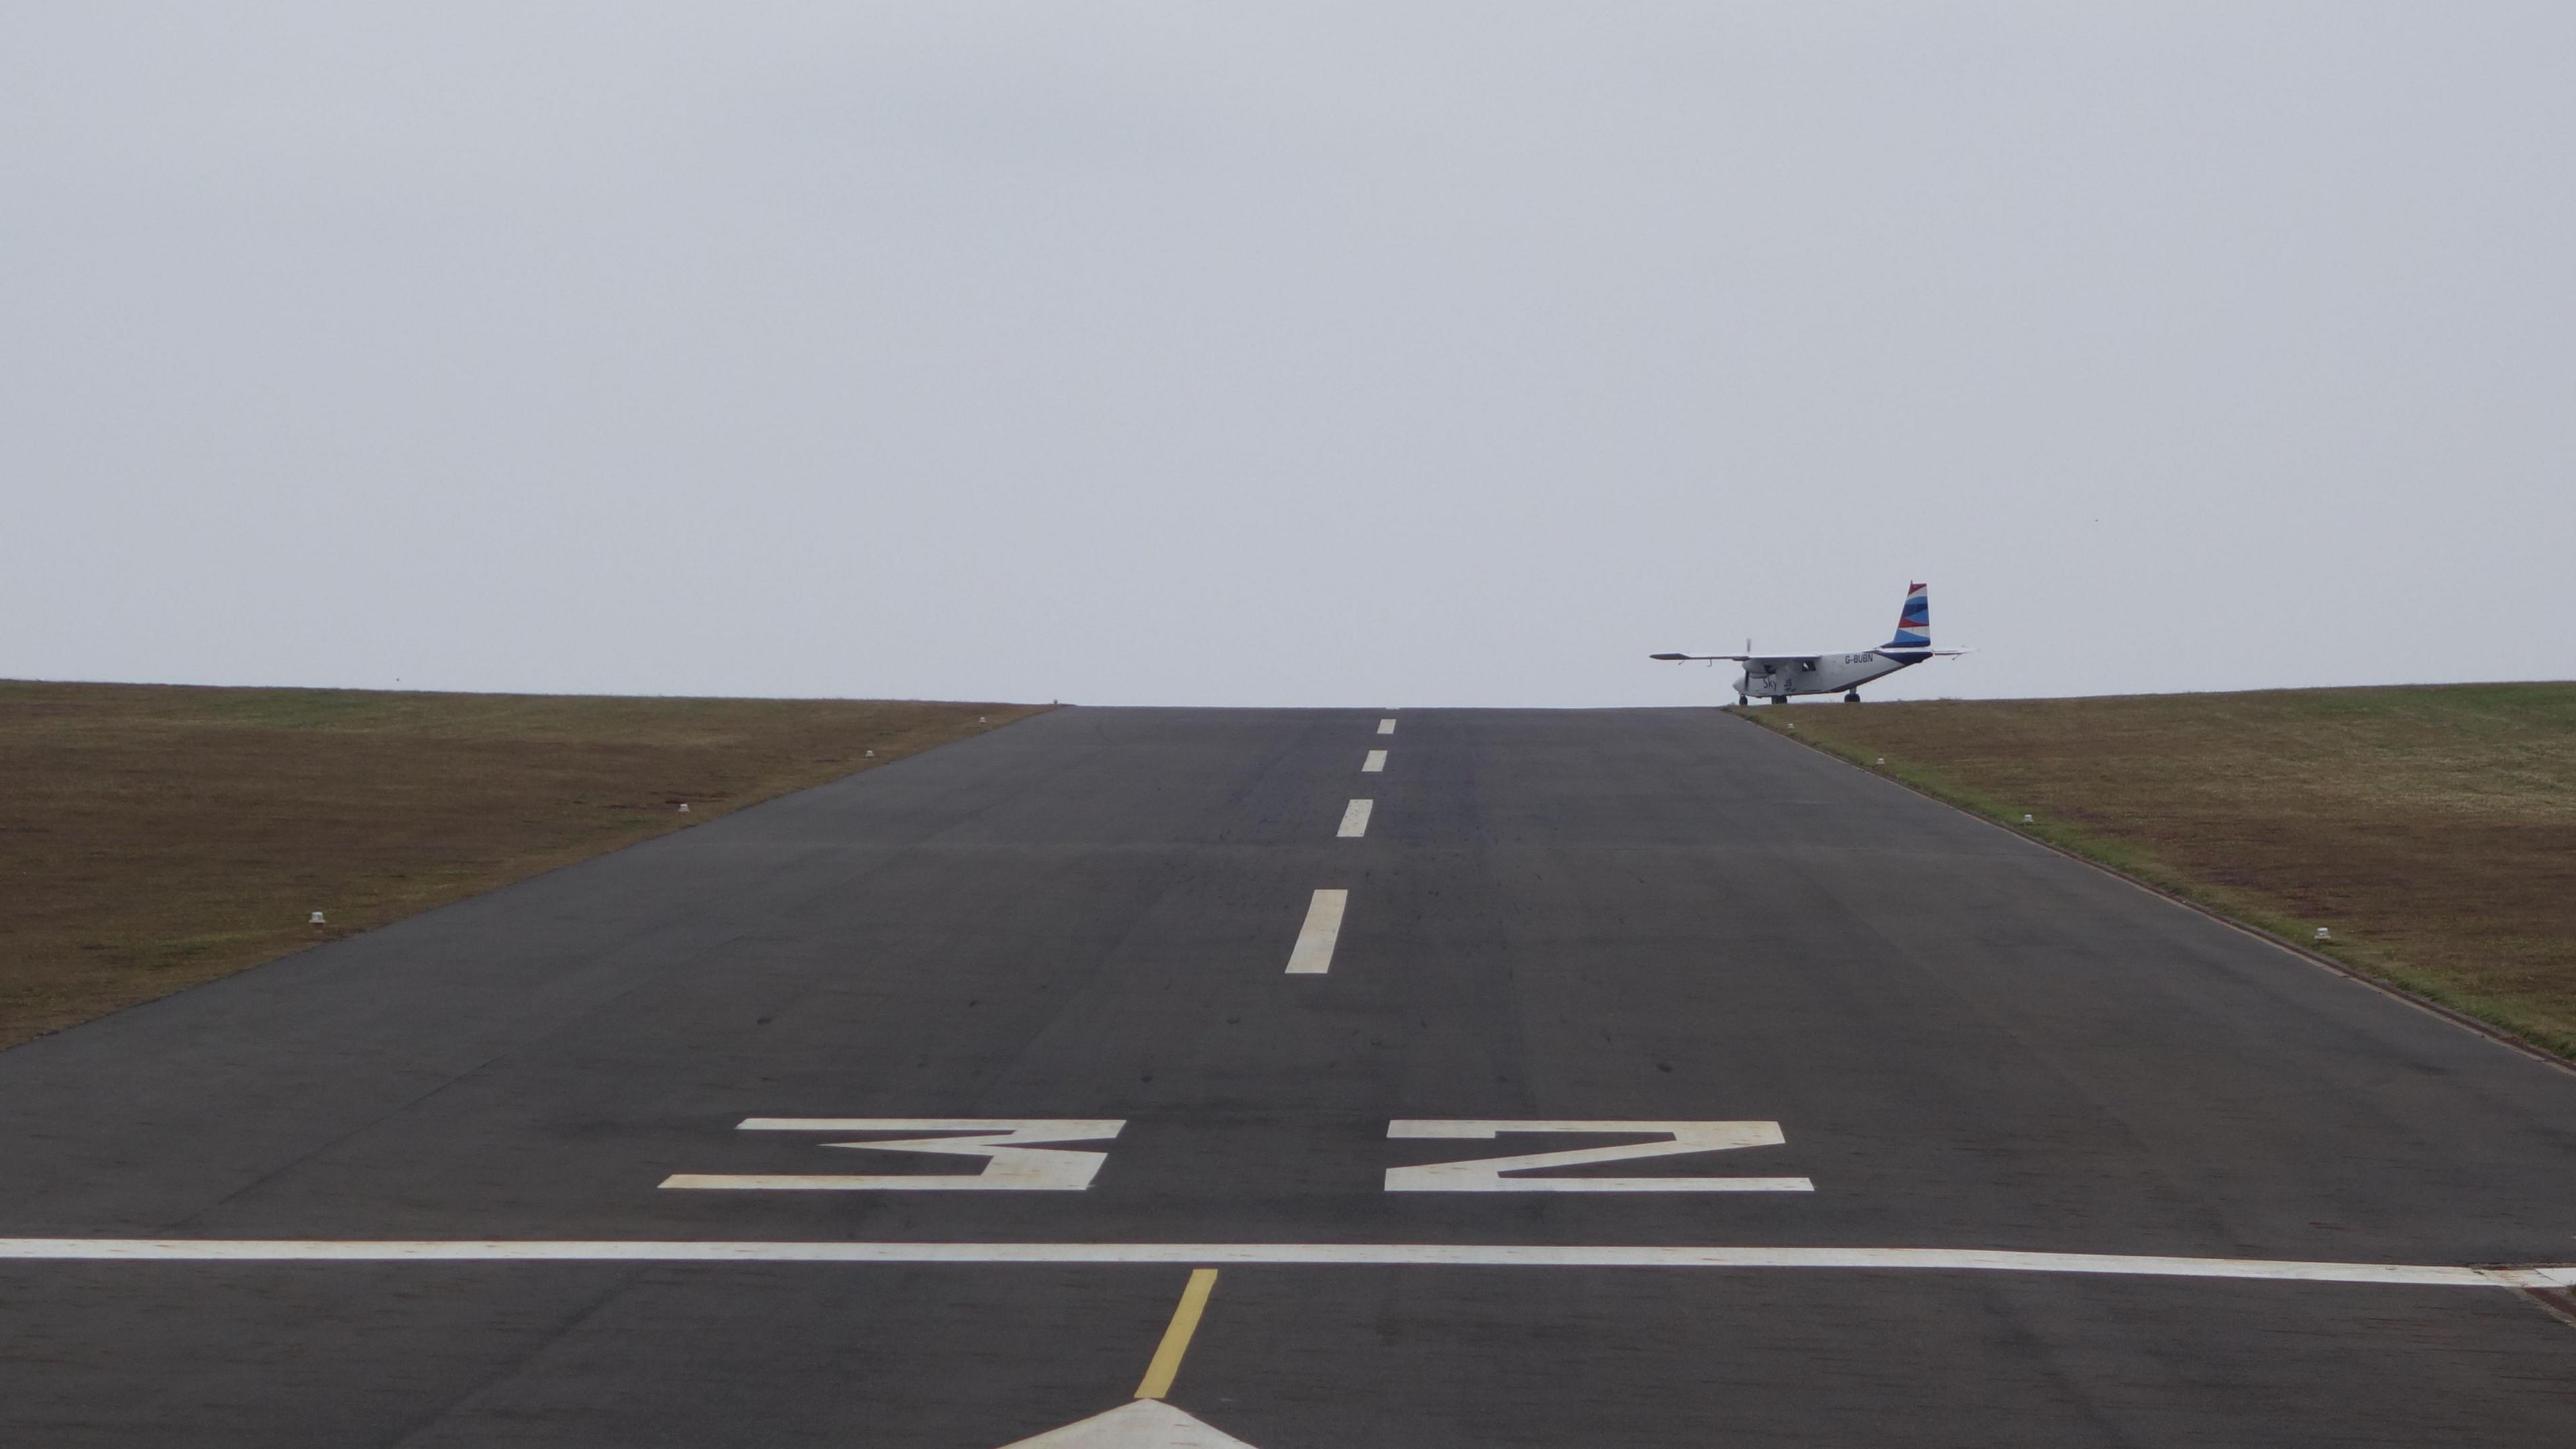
(1355, 819)
(1313, 955)
(1319, 1255)
(1386, 727)
(1374, 764)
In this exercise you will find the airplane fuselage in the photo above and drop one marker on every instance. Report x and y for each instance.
(1781, 677)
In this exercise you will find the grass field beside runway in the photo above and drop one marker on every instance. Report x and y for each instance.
(2431, 829)
(153, 837)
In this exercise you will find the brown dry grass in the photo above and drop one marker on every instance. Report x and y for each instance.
(2431, 828)
(153, 837)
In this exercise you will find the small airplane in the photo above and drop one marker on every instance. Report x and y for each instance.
(1777, 676)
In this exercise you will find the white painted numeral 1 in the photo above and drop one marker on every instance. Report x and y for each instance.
(1485, 1174)
(1014, 1158)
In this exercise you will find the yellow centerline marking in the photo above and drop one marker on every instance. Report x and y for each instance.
(1176, 1339)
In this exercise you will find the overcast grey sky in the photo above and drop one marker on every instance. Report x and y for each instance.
(1284, 354)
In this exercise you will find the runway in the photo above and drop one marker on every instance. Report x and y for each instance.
(1856, 1121)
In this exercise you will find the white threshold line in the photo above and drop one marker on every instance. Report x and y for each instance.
(1355, 818)
(1319, 1255)
(1313, 953)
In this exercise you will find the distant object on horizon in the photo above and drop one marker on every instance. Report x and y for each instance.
(1775, 677)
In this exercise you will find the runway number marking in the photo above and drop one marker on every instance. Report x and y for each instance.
(1386, 727)
(1018, 1155)
(1313, 953)
(1355, 819)
(1374, 764)
(1027, 1155)
(1485, 1174)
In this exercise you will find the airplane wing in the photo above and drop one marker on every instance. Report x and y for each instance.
(1806, 659)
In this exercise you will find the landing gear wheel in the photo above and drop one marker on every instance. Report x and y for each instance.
(1852, 698)
(1779, 699)
(1741, 701)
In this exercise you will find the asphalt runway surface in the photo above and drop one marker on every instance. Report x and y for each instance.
(1912, 1031)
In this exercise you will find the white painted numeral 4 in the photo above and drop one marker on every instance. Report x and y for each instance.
(1015, 1156)
(1485, 1174)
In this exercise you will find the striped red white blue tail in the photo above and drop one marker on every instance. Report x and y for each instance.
(1913, 623)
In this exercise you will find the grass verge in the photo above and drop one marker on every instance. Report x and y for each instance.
(153, 837)
(2431, 829)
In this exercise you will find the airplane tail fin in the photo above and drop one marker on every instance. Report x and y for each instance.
(1913, 623)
